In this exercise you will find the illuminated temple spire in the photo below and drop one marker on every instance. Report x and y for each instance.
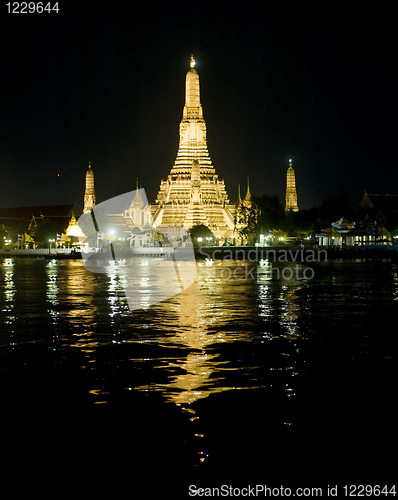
(238, 202)
(193, 193)
(89, 193)
(291, 192)
(247, 202)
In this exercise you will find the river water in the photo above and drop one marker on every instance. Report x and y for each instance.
(249, 375)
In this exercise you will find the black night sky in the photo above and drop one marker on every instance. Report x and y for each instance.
(105, 83)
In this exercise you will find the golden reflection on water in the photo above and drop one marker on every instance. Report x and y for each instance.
(204, 316)
(52, 289)
(78, 290)
(289, 306)
(190, 324)
(117, 282)
(7, 270)
(199, 320)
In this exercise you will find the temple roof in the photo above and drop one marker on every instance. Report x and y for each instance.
(379, 201)
(343, 222)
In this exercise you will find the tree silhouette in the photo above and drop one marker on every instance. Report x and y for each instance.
(201, 231)
(47, 230)
(266, 213)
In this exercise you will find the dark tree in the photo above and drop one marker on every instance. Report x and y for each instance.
(266, 213)
(201, 231)
(45, 231)
(333, 208)
(3, 235)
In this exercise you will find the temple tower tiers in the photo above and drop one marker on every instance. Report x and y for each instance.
(247, 202)
(193, 193)
(291, 192)
(89, 193)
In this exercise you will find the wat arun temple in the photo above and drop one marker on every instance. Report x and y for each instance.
(192, 193)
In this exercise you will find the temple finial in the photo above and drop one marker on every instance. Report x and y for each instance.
(290, 162)
(193, 62)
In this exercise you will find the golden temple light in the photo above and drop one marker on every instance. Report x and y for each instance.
(192, 63)
(291, 191)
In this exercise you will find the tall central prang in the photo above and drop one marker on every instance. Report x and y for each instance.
(193, 193)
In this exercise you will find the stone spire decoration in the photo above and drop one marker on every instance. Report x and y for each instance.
(247, 202)
(238, 202)
(89, 193)
(192, 193)
(291, 192)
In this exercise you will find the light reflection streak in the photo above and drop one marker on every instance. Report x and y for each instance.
(9, 292)
(191, 315)
(77, 288)
(201, 318)
(52, 289)
(395, 281)
(9, 286)
(278, 297)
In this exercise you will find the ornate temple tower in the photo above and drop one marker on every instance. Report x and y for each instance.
(193, 193)
(89, 193)
(291, 192)
(247, 202)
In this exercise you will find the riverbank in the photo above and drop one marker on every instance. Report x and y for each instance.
(295, 253)
(45, 253)
(251, 254)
